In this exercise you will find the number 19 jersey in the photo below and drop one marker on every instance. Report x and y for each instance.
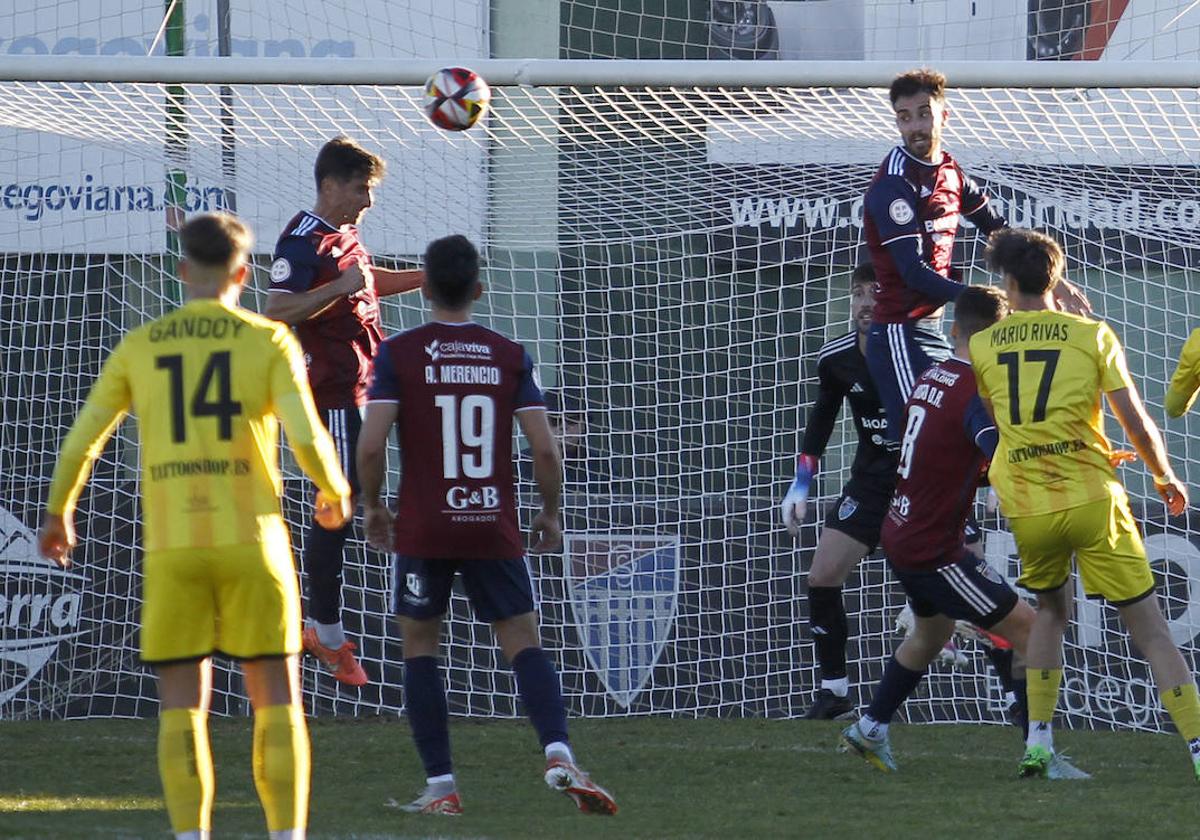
(457, 387)
(1044, 373)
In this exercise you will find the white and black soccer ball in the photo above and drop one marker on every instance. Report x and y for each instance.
(456, 98)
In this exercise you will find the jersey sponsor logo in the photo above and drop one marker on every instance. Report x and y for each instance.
(472, 498)
(925, 191)
(901, 211)
(40, 607)
(281, 270)
(624, 592)
(438, 349)
(847, 507)
(879, 423)
(857, 389)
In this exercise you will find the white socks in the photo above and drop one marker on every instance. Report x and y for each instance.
(840, 686)
(330, 635)
(558, 749)
(1040, 735)
(872, 729)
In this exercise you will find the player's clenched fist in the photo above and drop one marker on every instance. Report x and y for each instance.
(332, 513)
(56, 539)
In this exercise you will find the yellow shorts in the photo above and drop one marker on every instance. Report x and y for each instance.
(242, 601)
(1105, 541)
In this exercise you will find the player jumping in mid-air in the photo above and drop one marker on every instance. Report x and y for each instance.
(912, 211)
(206, 383)
(1041, 374)
(323, 284)
(452, 388)
(852, 526)
(947, 442)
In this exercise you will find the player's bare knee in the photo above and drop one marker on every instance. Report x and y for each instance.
(831, 568)
(516, 634)
(271, 681)
(420, 636)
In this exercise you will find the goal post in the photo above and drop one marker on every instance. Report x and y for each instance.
(673, 243)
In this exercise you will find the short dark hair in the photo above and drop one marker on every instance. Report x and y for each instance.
(922, 80)
(1030, 257)
(343, 159)
(978, 307)
(451, 270)
(863, 275)
(215, 240)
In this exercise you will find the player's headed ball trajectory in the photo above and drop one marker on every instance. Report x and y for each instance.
(456, 98)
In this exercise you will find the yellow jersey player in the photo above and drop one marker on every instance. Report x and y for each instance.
(1185, 382)
(207, 382)
(1042, 373)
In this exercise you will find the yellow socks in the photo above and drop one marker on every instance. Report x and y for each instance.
(186, 768)
(282, 765)
(1183, 705)
(1041, 691)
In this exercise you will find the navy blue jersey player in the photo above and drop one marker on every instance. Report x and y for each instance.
(912, 211)
(453, 390)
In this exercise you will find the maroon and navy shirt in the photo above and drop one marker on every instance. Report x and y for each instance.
(912, 210)
(947, 442)
(458, 386)
(340, 341)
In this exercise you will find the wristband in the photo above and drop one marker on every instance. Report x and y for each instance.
(1165, 479)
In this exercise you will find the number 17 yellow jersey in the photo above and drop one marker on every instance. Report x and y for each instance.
(1043, 373)
(206, 383)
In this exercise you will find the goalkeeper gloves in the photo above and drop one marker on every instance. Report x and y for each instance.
(795, 503)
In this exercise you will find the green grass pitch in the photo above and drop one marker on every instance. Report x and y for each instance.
(671, 778)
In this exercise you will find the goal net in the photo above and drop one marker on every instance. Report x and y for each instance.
(673, 256)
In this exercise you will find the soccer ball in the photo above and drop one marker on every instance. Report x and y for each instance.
(456, 98)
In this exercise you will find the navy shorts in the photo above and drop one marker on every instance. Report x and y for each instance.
(966, 589)
(896, 355)
(858, 513)
(344, 424)
(497, 589)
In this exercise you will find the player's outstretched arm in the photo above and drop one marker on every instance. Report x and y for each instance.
(547, 472)
(392, 282)
(1185, 382)
(107, 403)
(1148, 442)
(306, 434)
(371, 459)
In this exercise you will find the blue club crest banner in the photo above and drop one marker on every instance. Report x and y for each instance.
(624, 593)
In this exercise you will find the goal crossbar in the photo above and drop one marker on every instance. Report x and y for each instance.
(547, 72)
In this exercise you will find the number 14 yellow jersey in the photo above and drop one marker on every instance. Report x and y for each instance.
(1043, 373)
(206, 383)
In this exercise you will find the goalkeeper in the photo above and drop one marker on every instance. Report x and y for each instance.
(207, 382)
(852, 526)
